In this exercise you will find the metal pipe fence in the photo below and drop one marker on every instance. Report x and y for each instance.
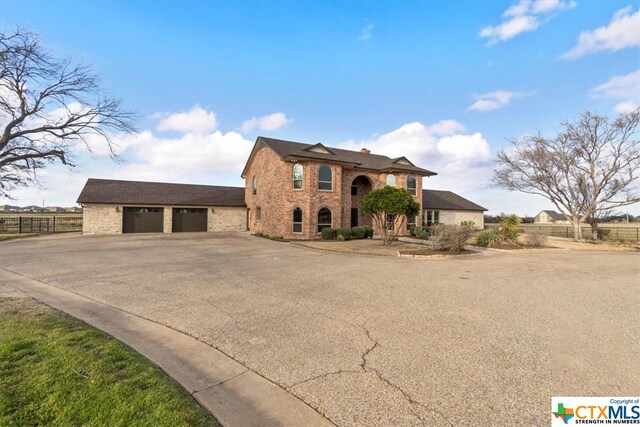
(40, 224)
(609, 232)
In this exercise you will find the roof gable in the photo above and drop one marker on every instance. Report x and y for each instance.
(319, 148)
(290, 150)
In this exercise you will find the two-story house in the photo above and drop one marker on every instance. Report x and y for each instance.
(295, 190)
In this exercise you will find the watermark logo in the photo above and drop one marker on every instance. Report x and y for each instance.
(595, 410)
(565, 414)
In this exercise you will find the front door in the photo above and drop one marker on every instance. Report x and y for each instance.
(354, 217)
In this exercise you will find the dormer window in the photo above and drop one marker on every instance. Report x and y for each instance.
(411, 184)
(325, 178)
(391, 180)
(298, 175)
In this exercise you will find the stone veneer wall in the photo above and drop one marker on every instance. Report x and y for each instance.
(456, 217)
(225, 218)
(103, 218)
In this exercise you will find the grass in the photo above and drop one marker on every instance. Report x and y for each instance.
(4, 237)
(57, 370)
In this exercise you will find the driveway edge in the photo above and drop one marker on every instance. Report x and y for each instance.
(234, 394)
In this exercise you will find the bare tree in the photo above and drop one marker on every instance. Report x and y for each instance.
(591, 164)
(48, 106)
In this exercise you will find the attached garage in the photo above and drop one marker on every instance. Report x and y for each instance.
(189, 219)
(142, 220)
(114, 207)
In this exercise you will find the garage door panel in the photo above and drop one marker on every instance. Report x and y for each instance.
(189, 219)
(143, 220)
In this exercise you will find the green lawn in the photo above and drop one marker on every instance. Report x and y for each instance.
(57, 370)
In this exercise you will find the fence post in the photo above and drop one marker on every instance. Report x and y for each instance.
(20, 225)
(54, 225)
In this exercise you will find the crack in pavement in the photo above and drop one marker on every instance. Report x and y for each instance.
(365, 367)
(231, 316)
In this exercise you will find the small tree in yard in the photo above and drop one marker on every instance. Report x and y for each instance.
(389, 207)
(590, 165)
(48, 106)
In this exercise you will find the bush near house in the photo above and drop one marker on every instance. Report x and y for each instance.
(420, 232)
(328, 233)
(488, 238)
(343, 234)
(369, 231)
(452, 238)
(535, 239)
(509, 228)
(359, 233)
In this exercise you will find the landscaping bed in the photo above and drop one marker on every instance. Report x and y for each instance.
(426, 252)
(363, 246)
(57, 370)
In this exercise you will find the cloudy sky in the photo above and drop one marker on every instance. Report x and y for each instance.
(446, 84)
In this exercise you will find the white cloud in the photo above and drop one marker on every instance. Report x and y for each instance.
(623, 31)
(626, 107)
(196, 120)
(269, 122)
(463, 161)
(366, 32)
(494, 100)
(625, 88)
(523, 16)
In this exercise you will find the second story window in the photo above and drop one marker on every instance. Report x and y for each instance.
(325, 178)
(255, 185)
(391, 180)
(298, 175)
(411, 184)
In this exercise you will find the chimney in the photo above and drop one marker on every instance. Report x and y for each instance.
(365, 151)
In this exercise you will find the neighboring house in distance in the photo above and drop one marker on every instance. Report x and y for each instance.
(294, 190)
(550, 217)
(445, 207)
(73, 209)
(53, 209)
(112, 207)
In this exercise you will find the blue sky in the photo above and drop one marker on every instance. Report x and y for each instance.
(444, 83)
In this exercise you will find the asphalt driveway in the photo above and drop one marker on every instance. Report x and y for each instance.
(372, 340)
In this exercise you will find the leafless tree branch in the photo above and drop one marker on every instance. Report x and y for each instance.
(47, 107)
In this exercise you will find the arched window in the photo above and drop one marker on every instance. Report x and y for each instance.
(411, 184)
(325, 178)
(324, 219)
(297, 220)
(391, 180)
(298, 175)
(255, 184)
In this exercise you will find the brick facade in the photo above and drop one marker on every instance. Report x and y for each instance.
(276, 197)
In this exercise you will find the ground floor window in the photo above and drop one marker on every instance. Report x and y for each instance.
(430, 218)
(258, 214)
(324, 219)
(411, 222)
(297, 220)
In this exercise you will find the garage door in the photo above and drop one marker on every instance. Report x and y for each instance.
(142, 220)
(189, 219)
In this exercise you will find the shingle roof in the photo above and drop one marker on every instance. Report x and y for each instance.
(295, 150)
(555, 215)
(159, 193)
(446, 200)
